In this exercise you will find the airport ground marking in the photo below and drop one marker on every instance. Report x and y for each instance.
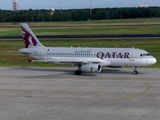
(138, 94)
(96, 103)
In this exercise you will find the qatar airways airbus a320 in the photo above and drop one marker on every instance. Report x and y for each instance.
(88, 60)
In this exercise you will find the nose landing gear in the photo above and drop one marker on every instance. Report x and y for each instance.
(135, 72)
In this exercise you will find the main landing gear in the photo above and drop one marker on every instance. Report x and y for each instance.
(78, 72)
(135, 70)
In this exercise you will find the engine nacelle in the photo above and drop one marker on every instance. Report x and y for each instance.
(91, 68)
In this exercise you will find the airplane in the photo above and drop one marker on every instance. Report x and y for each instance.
(88, 60)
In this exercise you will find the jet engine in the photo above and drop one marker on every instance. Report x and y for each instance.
(91, 68)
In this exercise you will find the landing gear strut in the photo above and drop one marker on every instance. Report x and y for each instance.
(78, 72)
(135, 70)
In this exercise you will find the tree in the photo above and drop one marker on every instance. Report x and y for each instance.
(78, 14)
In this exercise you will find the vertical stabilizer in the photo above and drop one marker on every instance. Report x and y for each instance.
(29, 37)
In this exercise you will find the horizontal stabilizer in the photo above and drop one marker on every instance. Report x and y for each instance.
(26, 52)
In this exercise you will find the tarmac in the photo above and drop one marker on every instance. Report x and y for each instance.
(39, 93)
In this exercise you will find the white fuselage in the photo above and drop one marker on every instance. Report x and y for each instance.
(105, 56)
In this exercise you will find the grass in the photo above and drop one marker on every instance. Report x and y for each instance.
(85, 30)
(92, 22)
(87, 27)
(11, 57)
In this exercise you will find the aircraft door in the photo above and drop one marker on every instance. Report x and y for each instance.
(131, 55)
(41, 52)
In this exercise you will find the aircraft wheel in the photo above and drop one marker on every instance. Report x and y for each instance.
(135, 72)
(77, 72)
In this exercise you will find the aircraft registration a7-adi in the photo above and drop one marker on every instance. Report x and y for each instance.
(88, 60)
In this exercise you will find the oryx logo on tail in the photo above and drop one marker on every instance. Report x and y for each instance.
(28, 38)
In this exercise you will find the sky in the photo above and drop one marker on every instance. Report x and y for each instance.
(74, 4)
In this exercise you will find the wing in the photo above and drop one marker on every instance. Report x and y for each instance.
(73, 60)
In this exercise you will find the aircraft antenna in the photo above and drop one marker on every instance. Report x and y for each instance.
(15, 5)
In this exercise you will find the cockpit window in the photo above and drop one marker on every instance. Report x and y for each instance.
(144, 54)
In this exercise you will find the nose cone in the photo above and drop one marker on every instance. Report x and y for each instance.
(153, 60)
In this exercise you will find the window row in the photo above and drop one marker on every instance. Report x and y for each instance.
(145, 55)
(71, 54)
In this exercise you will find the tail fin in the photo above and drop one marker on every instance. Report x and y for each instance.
(29, 37)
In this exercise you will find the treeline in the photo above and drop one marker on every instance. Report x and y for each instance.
(78, 14)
